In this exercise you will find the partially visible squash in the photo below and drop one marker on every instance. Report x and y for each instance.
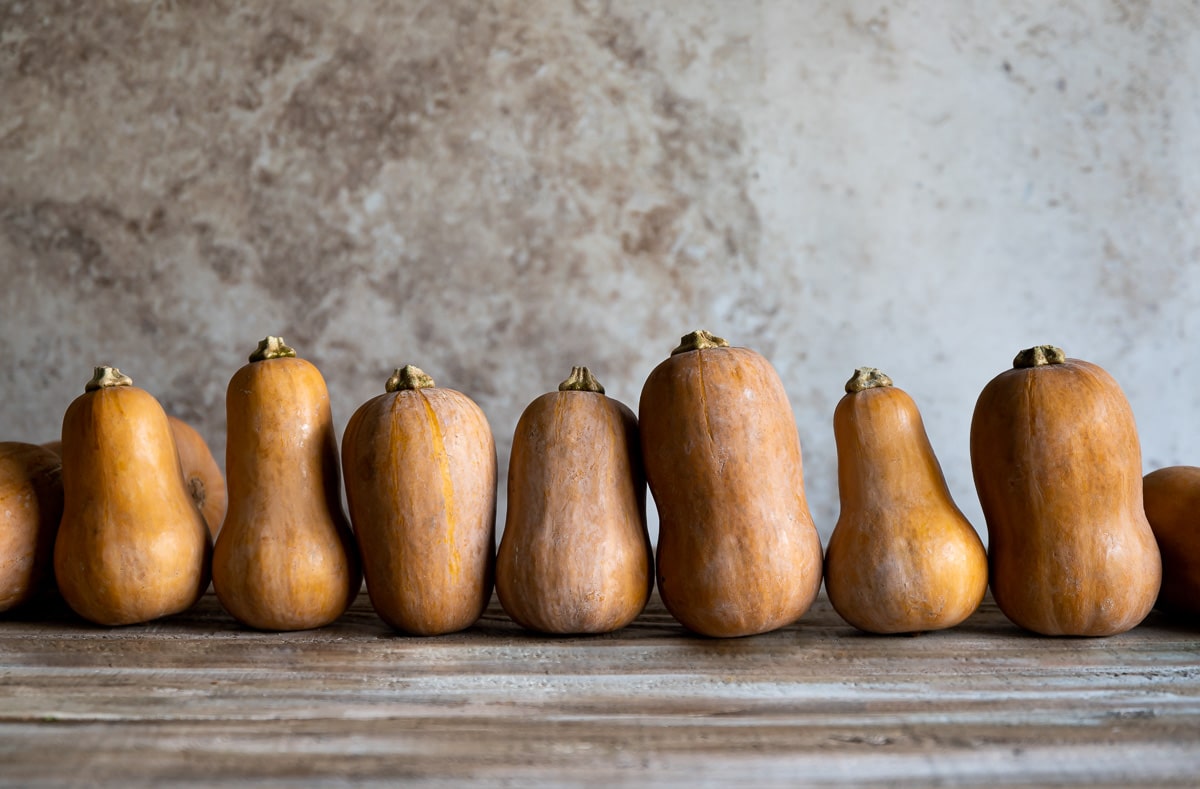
(201, 473)
(575, 556)
(132, 545)
(54, 446)
(1172, 500)
(285, 557)
(902, 557)
(737, 550)
(31, 505)
(420, 467)
(1058, 467)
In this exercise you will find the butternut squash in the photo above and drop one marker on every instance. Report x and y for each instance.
(1172, 501)
(902, 557)
(420, 467)
(285, 557)
(31, 505)
(201, 473)
(132, 545)
(1058, 468)
(575, 556)
(737, 551)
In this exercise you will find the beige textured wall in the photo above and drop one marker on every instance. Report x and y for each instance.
(495, 191)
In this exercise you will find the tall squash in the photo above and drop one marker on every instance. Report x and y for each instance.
(285, 557)
(737, 550)
(1058, 468)
(420, 467)
(132, 545)
(902, 558)
(575, 556)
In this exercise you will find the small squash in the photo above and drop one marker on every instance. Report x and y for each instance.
(31, 505)
(1058, 468)
(132, 545)
(54, 446)
(902, 557)
(575, 556)
(1172, 501)
(285, 557)
(201, 473)
(737, 550)
(420, 465)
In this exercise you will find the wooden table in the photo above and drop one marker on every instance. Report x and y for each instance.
(198, 699)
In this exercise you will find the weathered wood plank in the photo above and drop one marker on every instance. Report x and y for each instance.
(199, 699)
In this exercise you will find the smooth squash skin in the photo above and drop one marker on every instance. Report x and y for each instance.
(201, 473)
(575, 557)
(132, 545)
(1172, 501)
(902, 557)
(737, 550)
(285, 557)
(420, 465)
(1057, 464)
(31, 506)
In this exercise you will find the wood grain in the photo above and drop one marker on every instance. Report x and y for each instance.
(199, 699)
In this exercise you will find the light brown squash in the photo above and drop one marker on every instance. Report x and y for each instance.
(420, 467)
(902, 557)
(31, 505)
(201, 473)
(575, 556)
(53, 446)
(1172, 501)
(737, 550)
(132, 545)
(1058, 468)
(285, 557)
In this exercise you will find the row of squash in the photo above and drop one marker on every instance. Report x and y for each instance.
(124, 523)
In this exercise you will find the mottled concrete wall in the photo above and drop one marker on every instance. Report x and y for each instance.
(495, 191)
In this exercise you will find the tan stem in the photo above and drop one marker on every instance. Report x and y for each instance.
(407, 378)
(1039, 355)
(105, 377)
(272, 348)
(581, 380)
(698, 341)
(867, 378)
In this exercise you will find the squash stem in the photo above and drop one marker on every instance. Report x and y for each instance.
(581, 380)
(272, 348)
(698, 341)
(408, 378)
(1038, 356)
(105, 377)
(867, 378)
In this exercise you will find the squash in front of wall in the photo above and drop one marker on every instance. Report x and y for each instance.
(575, 557)
(1172, 500)
(902, 558)
(31, 505)
(132, 545)
(420, 467)
(737, 550)
(285, 557)
(1058, 467)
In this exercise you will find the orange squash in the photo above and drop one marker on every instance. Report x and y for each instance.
(201, 473)
(420, 467)
(31, 505)
(575, 556)
(737, 551)
(285, 557)
(1057, 465)
(902, 557)
(53, 446)
(1172, 501)
(132, 546)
